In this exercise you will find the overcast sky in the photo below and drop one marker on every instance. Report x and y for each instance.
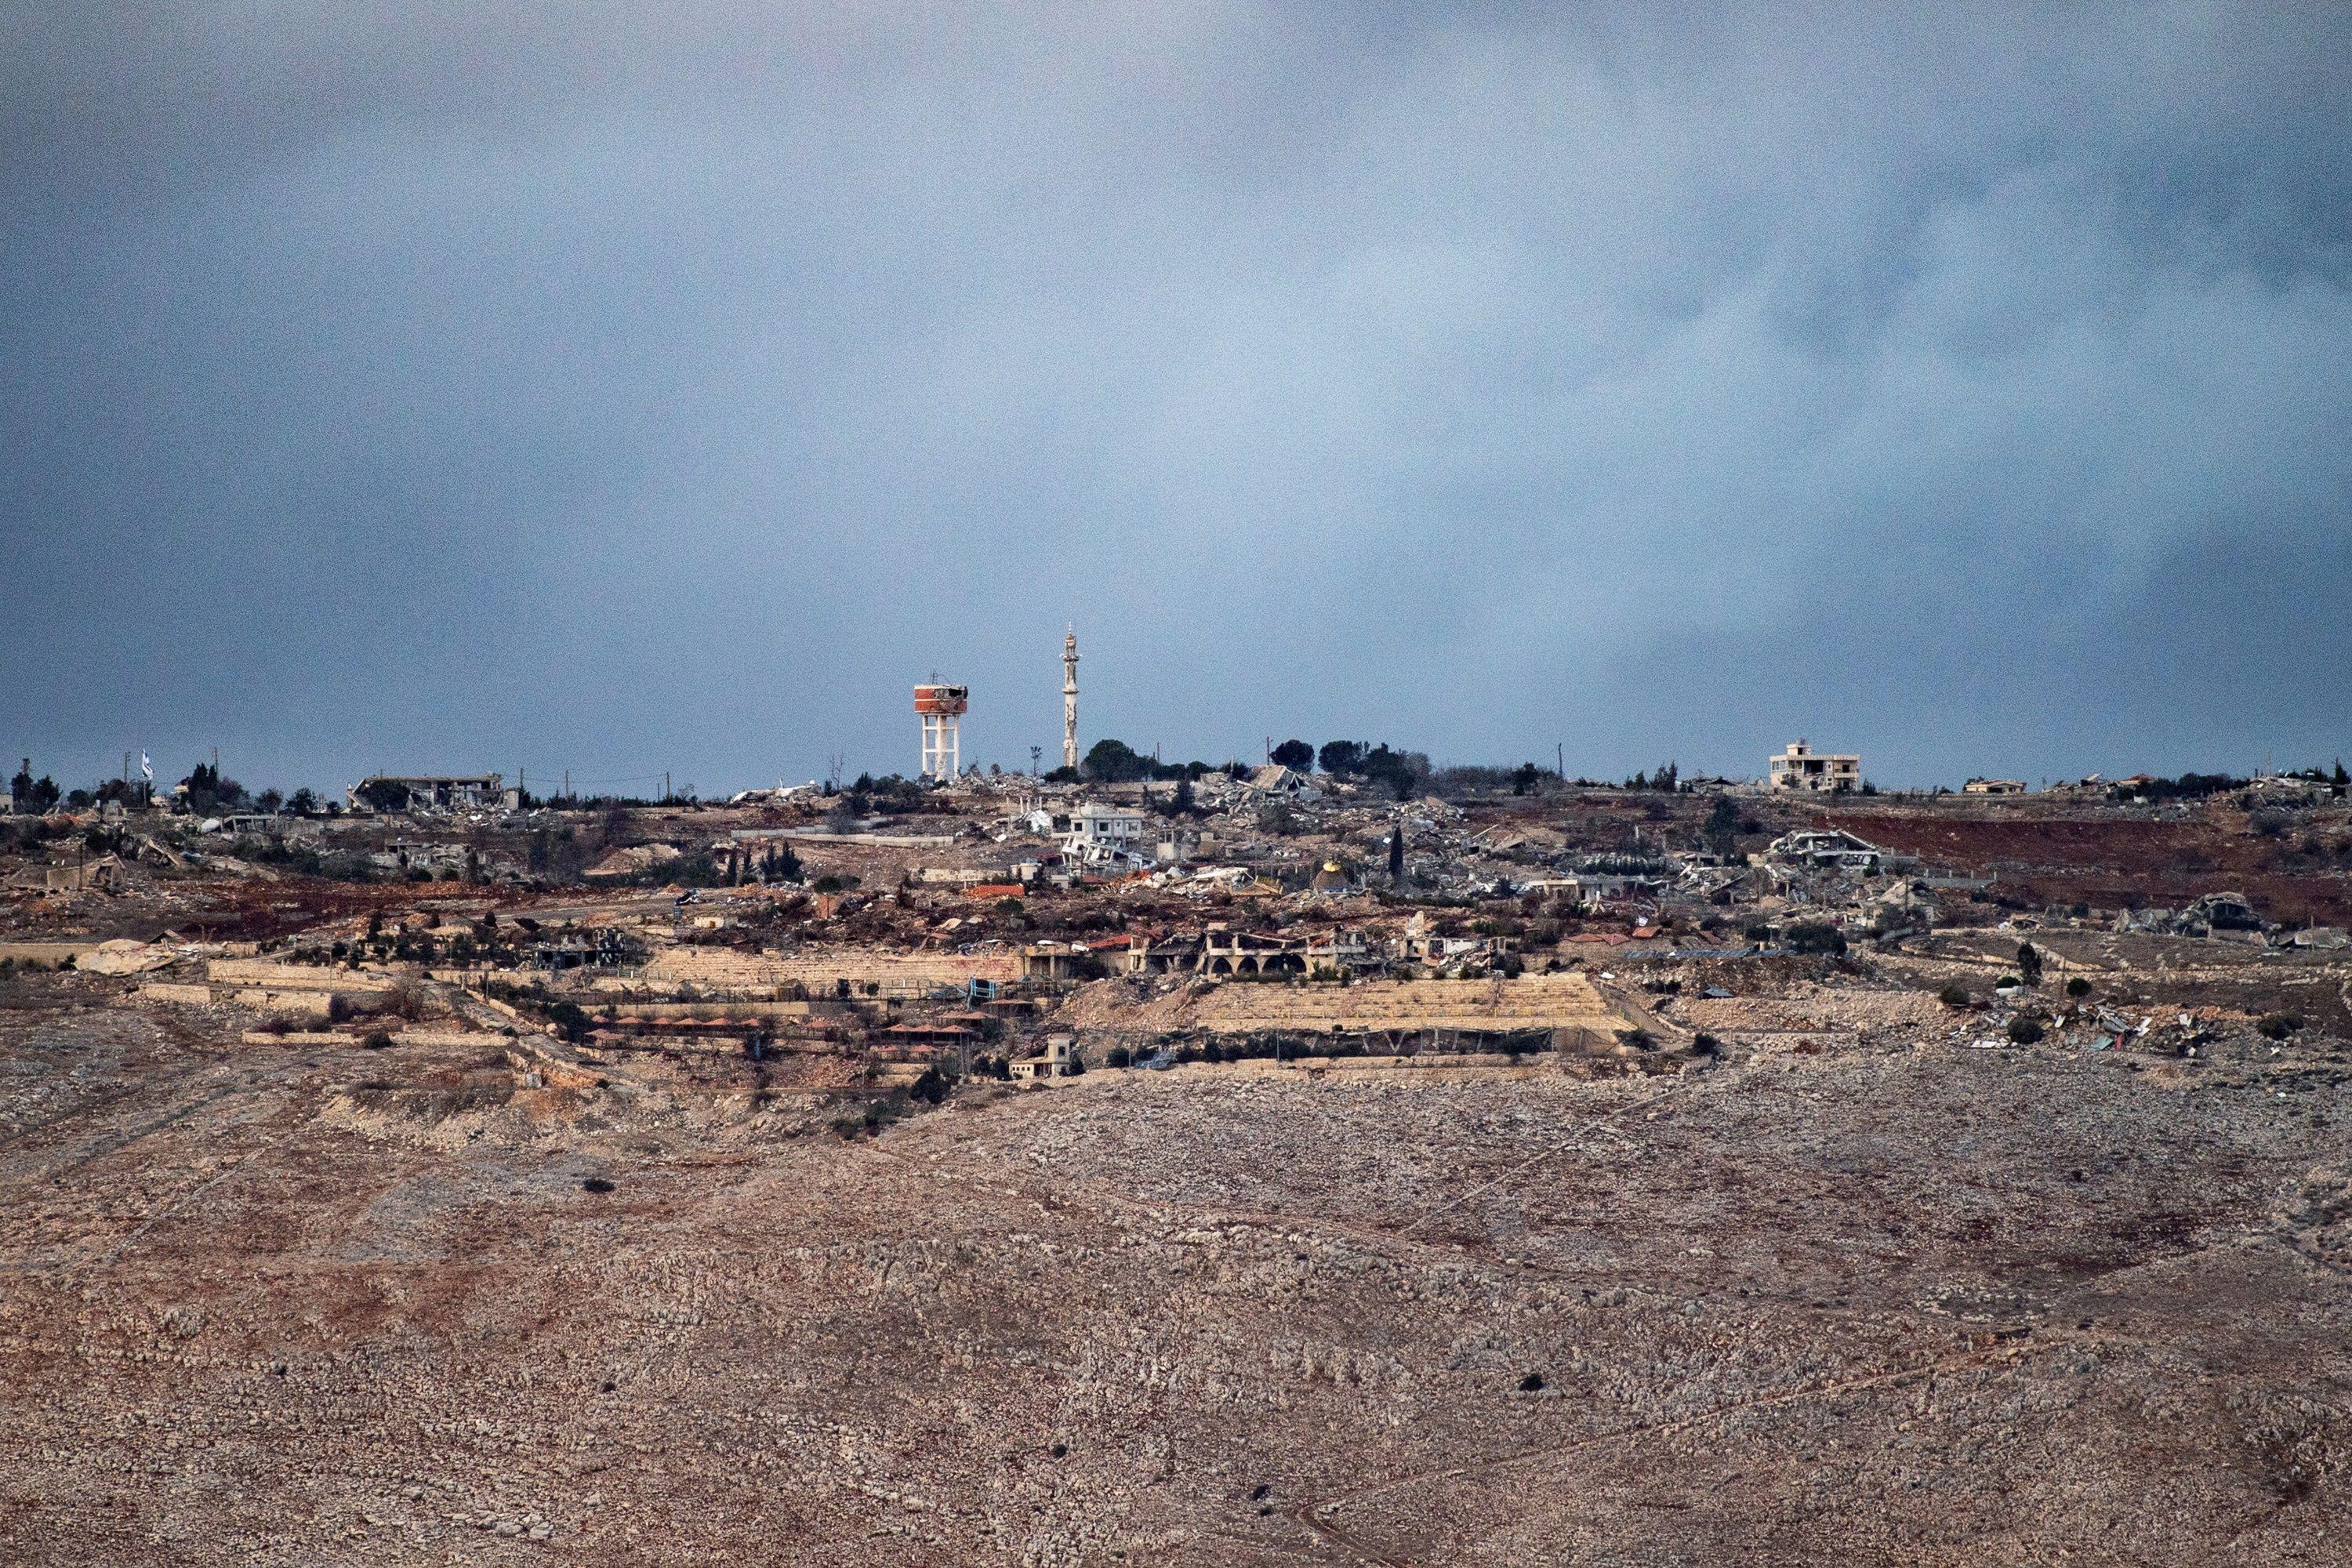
(621, 387)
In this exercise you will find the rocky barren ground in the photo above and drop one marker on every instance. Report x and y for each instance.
(1927, 1305)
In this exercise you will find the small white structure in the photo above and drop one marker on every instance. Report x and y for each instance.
(1802, 768)
(1054, 1063)
(1993, 787)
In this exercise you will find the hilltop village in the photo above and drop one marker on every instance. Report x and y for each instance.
(1141, 1162)
(1012, 925)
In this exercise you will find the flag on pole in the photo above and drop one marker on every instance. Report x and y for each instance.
(146, 768)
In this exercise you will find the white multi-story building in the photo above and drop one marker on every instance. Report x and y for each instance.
(1802, 768)
(1103, 832)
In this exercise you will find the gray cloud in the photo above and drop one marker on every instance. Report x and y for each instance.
(487, 386)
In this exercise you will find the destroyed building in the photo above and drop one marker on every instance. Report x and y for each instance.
(432, 791)
(1828, 846)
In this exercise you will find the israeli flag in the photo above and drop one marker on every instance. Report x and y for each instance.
(146, 768)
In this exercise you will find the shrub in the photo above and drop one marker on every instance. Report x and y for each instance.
(1953, 995)
(2078, 986)
(1532, 1384)
(2278, 1026)
(1118, 1057)
(1706, 1046)
(2023, 1031)
(1639, 1039)
(375, 1040)
(595, 1184)
(1813, 937)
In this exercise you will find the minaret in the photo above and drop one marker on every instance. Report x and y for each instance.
(1070, 699)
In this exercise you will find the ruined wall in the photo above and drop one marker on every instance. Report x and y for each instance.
(725, 970)
(1530, 1002)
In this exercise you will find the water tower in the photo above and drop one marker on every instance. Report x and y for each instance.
(941, 710)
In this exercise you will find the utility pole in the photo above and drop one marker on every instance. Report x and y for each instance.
(666, 795)
(1036, 756)
(567, 783)
(1560, 766)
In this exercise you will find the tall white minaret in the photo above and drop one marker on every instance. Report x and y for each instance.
(1070, 699)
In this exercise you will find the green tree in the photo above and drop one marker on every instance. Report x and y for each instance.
(1341, 756)
(1813, 937)
(1400, 772)
(1115, 761)
(1722, 827)
(1396, 853)
(1296, 755)
(208, 792)
(570, 1020)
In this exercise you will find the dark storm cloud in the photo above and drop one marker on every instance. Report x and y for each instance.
(587, 386)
